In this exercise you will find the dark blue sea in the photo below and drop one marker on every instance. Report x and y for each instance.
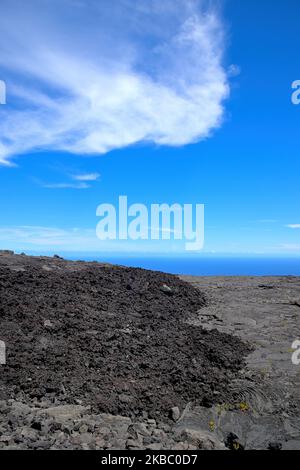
(204, 266)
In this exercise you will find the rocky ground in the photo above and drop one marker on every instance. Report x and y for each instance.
(265, 312)
(105, 357)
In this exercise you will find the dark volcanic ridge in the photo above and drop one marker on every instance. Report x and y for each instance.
(111, 337)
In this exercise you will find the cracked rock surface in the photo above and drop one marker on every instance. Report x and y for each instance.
(107, 357)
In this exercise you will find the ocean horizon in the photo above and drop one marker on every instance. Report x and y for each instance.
(198, 266)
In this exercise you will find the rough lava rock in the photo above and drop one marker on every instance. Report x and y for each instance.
(107, 337)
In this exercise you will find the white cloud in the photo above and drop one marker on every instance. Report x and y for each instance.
(234, 70)
(65, 185)
(47, 237)
(267, 221)
(80, 181)
(293, 247)
(51, 239)
(293, 226)
(88, 77)
(86, 177)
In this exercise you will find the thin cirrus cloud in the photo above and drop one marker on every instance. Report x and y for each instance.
(47, 237)
(86, 177)
(293, 226)
(79, 181)
(65, 185)
(88, 77)
(292, 247)
(52, 239)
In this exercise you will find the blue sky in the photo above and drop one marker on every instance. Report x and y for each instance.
(176, 103)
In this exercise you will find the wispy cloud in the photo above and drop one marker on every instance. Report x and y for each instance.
(291, 247)
(52, 239)
(32, 236)
(267, 221)
(65, 185)
(234, 70)
(55, 239)
(293, 226)
(78, 181)
(88, 77)
(86, 177)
